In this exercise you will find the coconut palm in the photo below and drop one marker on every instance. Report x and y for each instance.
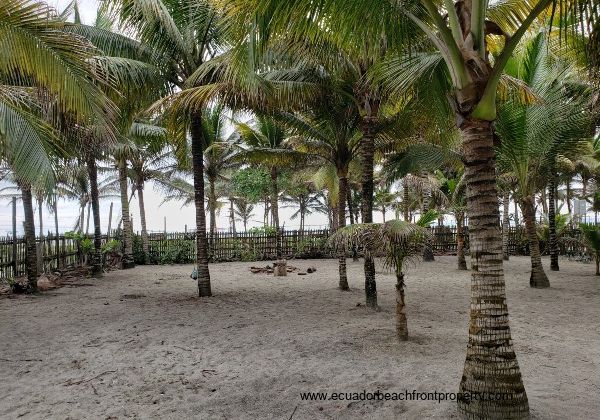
(185, 35)
(137, 82)
(331, 134)
(398, 242)
(384, 199)
(264, 144)
(534, 136)
(42, 62)
(244, 211)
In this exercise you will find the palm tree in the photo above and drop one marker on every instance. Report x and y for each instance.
(591, 239)
(534, 136)
(185, 35)
(219, 156)
(399, 242)
(331, 133)
(307, 203)
(244, 211)
(454, 189)
(264, 143)
(41, 56)
(384, 200)
(150, 159)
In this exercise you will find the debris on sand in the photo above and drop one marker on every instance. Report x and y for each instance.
(268, 269)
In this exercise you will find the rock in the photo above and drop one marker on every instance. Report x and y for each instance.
(312, 269)
(302, 274)
(44, 283)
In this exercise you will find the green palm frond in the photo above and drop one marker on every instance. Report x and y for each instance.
(425, 220)
(35, 44)
(25, 142)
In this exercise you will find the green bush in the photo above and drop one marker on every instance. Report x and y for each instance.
(262, 230)
(180, 253)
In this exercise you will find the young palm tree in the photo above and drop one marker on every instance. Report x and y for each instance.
(399, 242)
(591, 239)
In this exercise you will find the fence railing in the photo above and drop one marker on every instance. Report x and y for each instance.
(180, 247)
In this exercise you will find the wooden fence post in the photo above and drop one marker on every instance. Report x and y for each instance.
(109, 221)
(14, 238)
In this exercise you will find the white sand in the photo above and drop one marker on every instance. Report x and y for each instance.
(248, 352)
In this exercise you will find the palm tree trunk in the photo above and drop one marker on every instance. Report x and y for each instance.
(350, 204)
(275, 209)
(553, 243)
(544, 200)
(383, 212)
(232, 216)
(428, 248)
(405, 199)
(505, 225)
(30, 245)
(59, 260)
(142, 205)
(96, 263)
(367, 150)
(517, 218)
(274, 197)
(212, 207)
(87, 222)
(353, 220)
(343, 182)
(266, 212)
(538, 277)
(401, 321)
(491, 365)
(568, 194)
(81, 216)
(335, 216)
(203, 273)
(460, 241)
(127, 259)
(40, 244)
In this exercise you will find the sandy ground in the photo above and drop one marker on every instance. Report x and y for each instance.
(138, 344)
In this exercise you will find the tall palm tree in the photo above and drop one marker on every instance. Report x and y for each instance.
(185, 34)
(331, 133)
(46, 73)
(219, 155)
(264, 143)
(306, 202)
(136, 82)
(384, 200)
(534, 136)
